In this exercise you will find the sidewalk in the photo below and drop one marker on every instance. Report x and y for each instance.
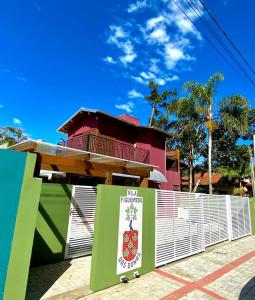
(224, 271)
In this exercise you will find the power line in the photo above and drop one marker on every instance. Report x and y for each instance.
(227, 36)
(213, 46)
(208, 40)
(218, 38)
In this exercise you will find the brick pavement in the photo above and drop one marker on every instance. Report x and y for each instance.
(224, 271)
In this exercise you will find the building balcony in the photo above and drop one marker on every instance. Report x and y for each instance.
(109, 147)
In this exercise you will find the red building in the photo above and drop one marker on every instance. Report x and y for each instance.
(124, 137)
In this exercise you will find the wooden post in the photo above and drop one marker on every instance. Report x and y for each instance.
(108, 179)
(144, 182)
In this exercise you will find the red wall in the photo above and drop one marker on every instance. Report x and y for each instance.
(173, 178)
(143, 138)
(87, 123)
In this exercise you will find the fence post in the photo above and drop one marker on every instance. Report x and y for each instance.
(229, 218)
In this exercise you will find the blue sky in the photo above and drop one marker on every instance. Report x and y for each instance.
(56, 56)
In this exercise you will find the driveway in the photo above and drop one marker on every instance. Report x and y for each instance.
(223, 271)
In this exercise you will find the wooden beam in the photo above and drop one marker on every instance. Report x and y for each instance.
(108, 179)
(84, 167)
(74, 170)
(25, 147)
(144, 183)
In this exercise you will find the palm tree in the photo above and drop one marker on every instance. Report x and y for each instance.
(233, 110)
(205, 94)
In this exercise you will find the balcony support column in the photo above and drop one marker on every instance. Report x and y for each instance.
(144, 182)
(108, 179)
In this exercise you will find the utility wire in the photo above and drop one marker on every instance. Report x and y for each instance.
(208, 40)
(227, 36)
(218, 38)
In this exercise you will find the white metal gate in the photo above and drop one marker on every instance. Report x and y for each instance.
(215, 218)
(186, 222)
(81, 222)
(240, 217)
(179, 226)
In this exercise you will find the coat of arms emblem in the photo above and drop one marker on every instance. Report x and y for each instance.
(129, 253)
(130, 237)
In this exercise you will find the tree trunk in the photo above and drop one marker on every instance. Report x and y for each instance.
(210, 150)
(152, 114)
(198, 182)
(210, 160)
(190, 170)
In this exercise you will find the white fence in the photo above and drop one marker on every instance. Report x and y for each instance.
(186, 222)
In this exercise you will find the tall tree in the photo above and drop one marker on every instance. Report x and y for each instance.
(233, 112)
(11, 135)
(205, 94)
(158, 101)
(187, 131)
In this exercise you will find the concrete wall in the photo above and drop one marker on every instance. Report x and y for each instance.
(252, 209)
(105, 244)
(52, 224)
(19, 199)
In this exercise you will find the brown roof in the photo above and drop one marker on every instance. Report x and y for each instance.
(216, 178)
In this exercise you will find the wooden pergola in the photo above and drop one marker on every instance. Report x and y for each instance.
(54, 157)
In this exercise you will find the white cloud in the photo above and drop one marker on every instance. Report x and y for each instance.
(146, 77)
(183, 24)
(119, 37)
(16, 121)
(151, 23)
(129, 52)
(139, 79)
(154, 65)
(136, 6)
(117, 33)
(109, 60)
(22, 79)
(159, 35)
(135, 94)
(162, 42)
(128, 107)
(173, 78)
(175, 53)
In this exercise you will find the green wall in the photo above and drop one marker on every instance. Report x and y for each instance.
(105, 244)
(252, 209)
(52, 224)
(19, 195)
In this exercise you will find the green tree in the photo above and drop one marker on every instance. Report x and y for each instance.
(233, 111)
(158, 102)
(187, 132)
(10, 136)
(238, 167)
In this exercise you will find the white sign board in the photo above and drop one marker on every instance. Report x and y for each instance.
(183, 213)
(130, 232)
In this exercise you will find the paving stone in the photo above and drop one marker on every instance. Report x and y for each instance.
(52, 280)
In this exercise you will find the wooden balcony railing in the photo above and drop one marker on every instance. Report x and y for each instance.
(101, 145)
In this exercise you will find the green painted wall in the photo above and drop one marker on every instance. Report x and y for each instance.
(52, 224)
(19, 194)
(252, 209)
(105, 244)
